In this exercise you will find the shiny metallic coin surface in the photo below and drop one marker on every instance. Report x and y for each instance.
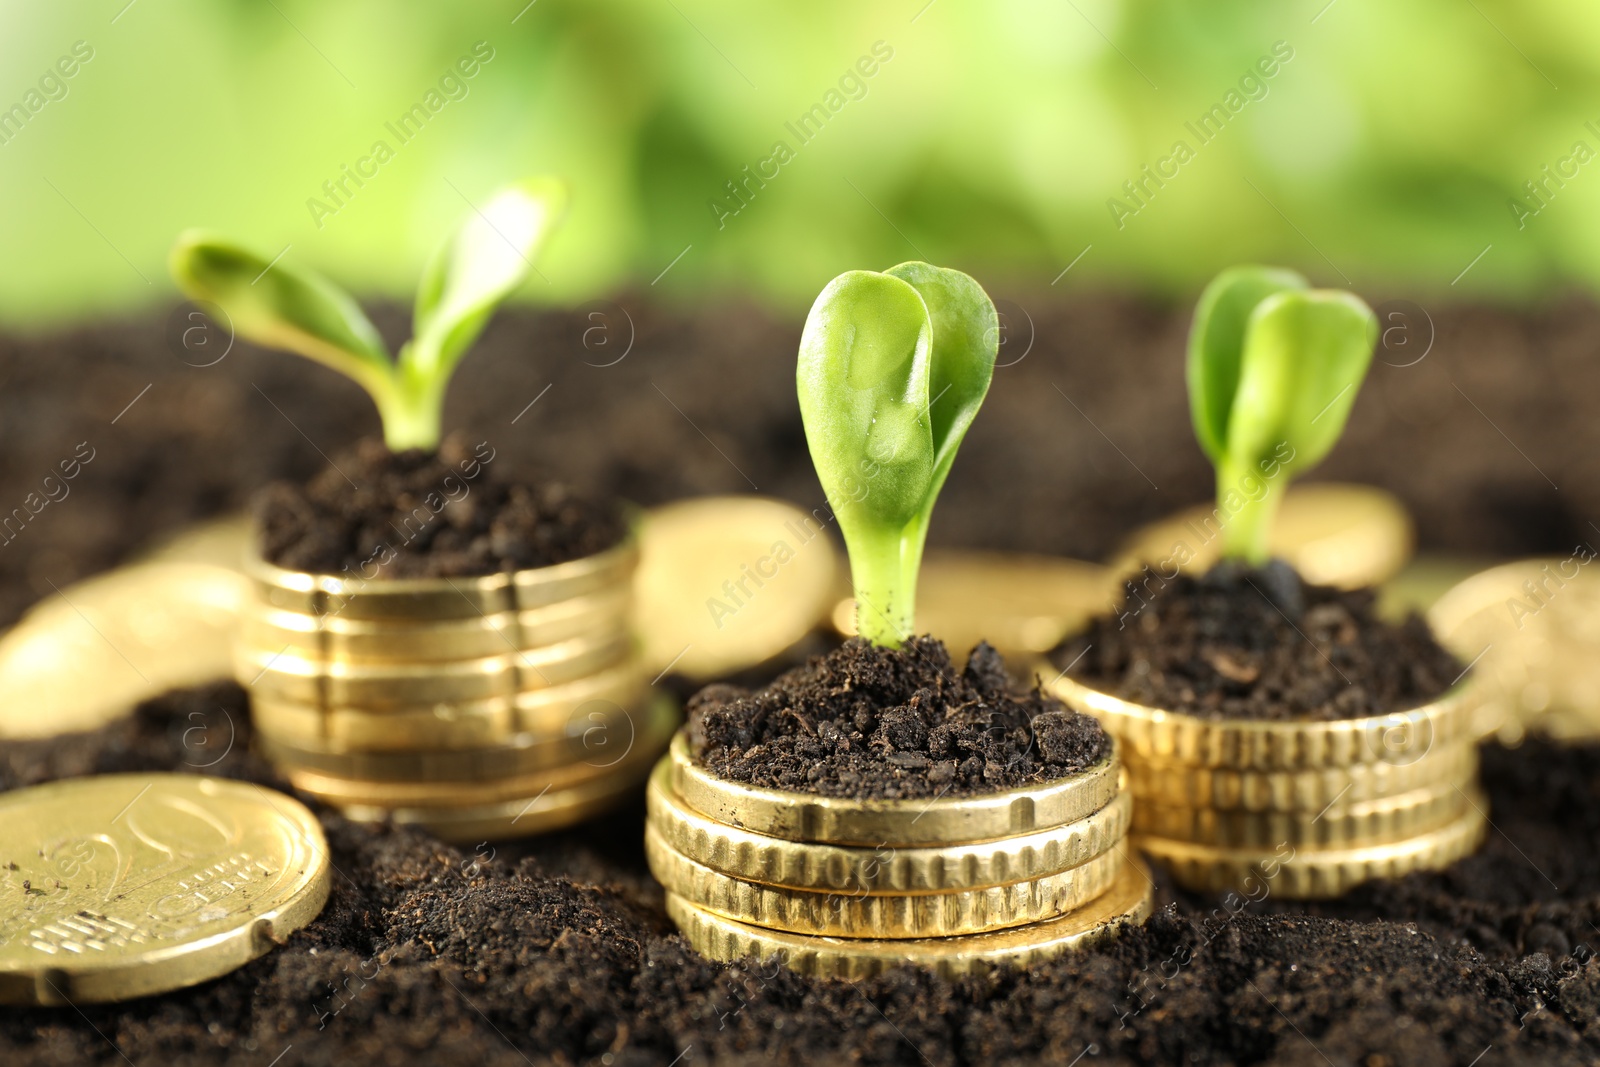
(726, 582)
(1127, 902)
(126, 885)
(1349, 536)
(938, 821)
(88, 653)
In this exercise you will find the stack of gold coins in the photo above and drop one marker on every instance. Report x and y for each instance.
(847, 888)
(482, 707)
(1297, 809)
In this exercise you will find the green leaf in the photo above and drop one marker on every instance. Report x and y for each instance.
(478, 267)
(278, 305)
(966, 339)
(1305, 355)
(1216, 346)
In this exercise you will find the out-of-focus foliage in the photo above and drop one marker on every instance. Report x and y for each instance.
(1389, 144)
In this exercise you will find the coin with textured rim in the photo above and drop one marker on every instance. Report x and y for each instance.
(726, 582)
(796, 816)
(1250, 745)
(885, 868)
(337, 638)
(377, 686)
(1175, 785)
(1351, 536)
(1128, 902)
(126, 885)
(1341, 825)
(886, 915)
(543, 712)
(1308, 874)
(435, 599)
(1020, 604)
(641, 746)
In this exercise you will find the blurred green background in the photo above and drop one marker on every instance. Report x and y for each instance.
(1386, 149)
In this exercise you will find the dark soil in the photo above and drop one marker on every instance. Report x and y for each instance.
(1247, 643)
(864, 722)
(373, 513)
(557, 951)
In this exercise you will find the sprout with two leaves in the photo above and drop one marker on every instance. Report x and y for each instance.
(481, 264)
(1274, 367)
(893, 367)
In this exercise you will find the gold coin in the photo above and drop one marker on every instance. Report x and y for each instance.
(727, 582)
(1020, 604)
(1350, 536)
(1341, 825)
(1532, 629)
(336, 638)
(437, 599)
(1423, 581)
(522, 755)
(221, 542)
(552, 712)
(89, 653)
(1312, 791)
(888, 915)
(1314, 873)
(640, 738)
(1127, 902)
(884, 869)
(377, 686)
(796, 816)
(1250, 745)
(132, 884)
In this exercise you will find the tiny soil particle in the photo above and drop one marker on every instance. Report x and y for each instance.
(1245, 643)
(869, 722)
(374, 513)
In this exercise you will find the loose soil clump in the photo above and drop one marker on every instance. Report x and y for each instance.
(1259, 644)
(868, 722)
(415, 514)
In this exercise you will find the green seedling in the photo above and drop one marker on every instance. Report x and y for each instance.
(892, 369)
(1274, 368)
(281, 306)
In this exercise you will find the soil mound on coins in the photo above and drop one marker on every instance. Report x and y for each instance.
(1258, 643)
(867, 722)
(374, 513)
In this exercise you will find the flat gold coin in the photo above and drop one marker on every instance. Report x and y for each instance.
(221, 542)
(631, 748)
(1127, 902)
(1299, 792)
(555, 711)
(302, 680)
(334, 638)
(884, 869)
(88, 654)
(940, 821)
(1350, 536)
(1311, 873)
(1170, 737)
(126, 885)
(1533, 630)
(728, 582)
(1340, 825)
(890, 915)
(1020, 604)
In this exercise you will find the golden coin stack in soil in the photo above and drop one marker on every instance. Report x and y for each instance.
(481, 707)
(847, 888)
(1297, 809)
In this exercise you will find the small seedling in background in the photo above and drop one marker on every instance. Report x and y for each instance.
(1274, 368)
(892, 369)
(472, 272)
